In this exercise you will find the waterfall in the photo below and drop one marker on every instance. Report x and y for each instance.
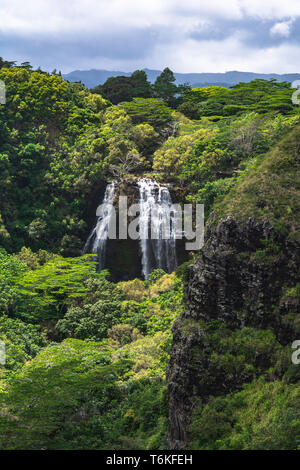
(156, 227)
(156, 215)
(97, 240)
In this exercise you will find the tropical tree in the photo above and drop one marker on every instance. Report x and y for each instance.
(164, 86)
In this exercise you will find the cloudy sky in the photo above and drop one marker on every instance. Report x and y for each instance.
(186, 35)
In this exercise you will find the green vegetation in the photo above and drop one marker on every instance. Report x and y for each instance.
(262, 96)
(22, 340)
(120, 88)
(99, 310)
(117, 89)
(106, 388)
(151, 111)
(86, 358)
(268, 188)
(263, 416)
(57, 143)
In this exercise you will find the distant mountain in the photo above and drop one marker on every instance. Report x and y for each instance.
(94, 77)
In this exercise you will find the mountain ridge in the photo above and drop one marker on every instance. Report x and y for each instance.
(91, 78)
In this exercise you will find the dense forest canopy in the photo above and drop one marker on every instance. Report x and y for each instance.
(87, 357)
(117, 89)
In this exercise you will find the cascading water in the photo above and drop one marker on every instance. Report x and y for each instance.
(157, 215)
(156, 228)
(97, 240)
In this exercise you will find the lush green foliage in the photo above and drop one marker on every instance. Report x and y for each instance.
(22, 340)
(57, 143)
(117, 89)
(263, 183)
(154, 305)
(99, 310)
(77, 395)
(165, 88)
(259, 95)
(209, 158)
(120, 88)
(87, 358)
(263, 416)
(151, 111)
(105, 393)
(10, 268)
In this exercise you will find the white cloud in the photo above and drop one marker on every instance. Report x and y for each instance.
(62, 25)
(270, 9)
(63, 15)
(282, 29)
(230, 54)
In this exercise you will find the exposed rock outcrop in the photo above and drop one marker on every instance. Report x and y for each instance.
(239, 278)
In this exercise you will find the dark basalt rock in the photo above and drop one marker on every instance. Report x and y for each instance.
(123, 258)
(238, 279)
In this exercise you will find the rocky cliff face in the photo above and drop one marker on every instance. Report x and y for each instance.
(239, 279)
(123, 256)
